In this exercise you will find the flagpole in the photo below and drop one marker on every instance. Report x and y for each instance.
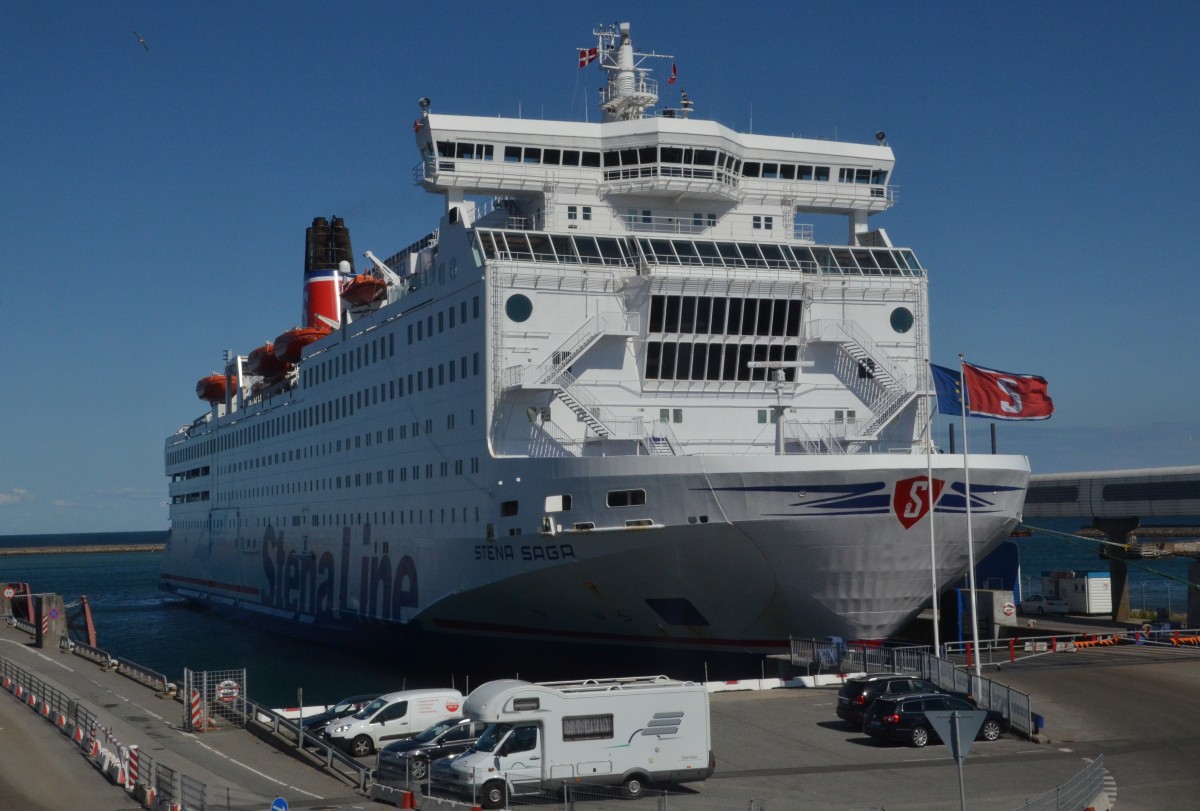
(937, 643)
(962, 384)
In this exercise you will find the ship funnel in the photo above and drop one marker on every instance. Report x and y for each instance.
(326, 247)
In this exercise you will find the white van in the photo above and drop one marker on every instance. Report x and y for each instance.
(392, 716)
(627, 732)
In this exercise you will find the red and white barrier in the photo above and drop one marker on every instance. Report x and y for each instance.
(132, 759)
(195, 711)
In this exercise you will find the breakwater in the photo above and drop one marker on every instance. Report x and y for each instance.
(82, 550)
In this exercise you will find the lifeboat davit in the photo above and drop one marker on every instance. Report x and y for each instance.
(364, 289)
(290, 344)
(212, 389)
(263, 362)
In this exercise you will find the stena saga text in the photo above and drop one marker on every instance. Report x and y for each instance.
(619, 394)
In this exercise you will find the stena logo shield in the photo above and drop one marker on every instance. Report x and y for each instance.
(912, 499)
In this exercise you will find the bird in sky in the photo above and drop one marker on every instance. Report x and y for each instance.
(142, 40)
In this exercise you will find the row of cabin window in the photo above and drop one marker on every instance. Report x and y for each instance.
(424, 329)
(701, 315)
(384, 347)
(337, 408)
(670, 360)
(347, 481)
(336, 519)
(646, 155)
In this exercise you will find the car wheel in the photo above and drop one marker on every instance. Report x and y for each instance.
(633, 787)
(990, 730)
(493, 795)
(418, 768)
(919, 737)
(361, 746)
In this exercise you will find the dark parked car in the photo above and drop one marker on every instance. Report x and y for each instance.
(902, 718)
(347, 706)
(409, 759)
(857, 694)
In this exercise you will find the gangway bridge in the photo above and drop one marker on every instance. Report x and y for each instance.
(1117, 502)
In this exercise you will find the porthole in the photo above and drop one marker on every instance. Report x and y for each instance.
(518, 308)
(902, 319)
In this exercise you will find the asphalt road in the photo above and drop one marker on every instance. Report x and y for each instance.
(41, 770)
(782, 749)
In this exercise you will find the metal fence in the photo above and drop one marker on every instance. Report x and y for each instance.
(1073, 795)
(837, 656)
(333, 759)
(213, 697)
(436, 794)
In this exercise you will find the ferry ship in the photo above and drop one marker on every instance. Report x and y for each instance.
(619, 395)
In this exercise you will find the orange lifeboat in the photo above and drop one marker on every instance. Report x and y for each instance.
(290, 344)
(212, 389)
(363, 290)
(262, 361)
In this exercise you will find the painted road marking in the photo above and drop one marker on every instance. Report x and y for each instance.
(249, 768)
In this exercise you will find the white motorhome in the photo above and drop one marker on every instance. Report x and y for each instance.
(625, 731)
(393, 716)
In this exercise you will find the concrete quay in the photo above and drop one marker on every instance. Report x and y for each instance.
(781, 748)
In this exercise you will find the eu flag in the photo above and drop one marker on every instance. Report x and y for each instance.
(948, 385)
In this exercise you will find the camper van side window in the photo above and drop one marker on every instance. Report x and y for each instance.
(525, 704)
(587, 727)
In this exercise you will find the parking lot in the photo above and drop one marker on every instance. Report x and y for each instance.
(787, 749)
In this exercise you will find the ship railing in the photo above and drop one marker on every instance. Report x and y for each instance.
(491, 175)
(642, 85)
(818, 437)
(824, 192)
(659, 438)
(549, 440)
(609, 322)
(662, 225)
(839, 331)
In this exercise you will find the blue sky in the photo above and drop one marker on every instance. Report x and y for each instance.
(153, 203)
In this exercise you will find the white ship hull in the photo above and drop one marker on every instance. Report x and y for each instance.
(735, 556)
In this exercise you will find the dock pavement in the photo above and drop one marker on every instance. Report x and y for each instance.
(782, 749)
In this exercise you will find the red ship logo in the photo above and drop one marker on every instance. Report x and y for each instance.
(912, 499)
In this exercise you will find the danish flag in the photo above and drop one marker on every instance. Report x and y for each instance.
(587, 56)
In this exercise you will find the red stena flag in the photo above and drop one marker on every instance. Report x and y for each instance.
(1005, 395)
(671, 80)
(587, 56)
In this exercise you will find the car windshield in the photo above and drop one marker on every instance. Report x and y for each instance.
(427, 735)
(372, 708)
(491, 737)
(344, 706)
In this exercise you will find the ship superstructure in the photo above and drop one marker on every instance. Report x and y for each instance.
(620, 394)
